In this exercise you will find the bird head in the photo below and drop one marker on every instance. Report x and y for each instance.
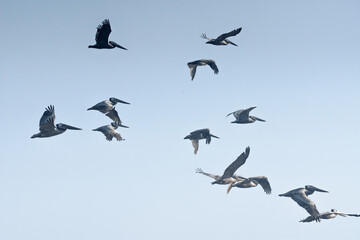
(312, 188)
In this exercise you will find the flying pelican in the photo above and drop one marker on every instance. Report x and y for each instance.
(201, 62)
(109, 131)
(252, 182)
(47, 127)
(328, 215)
(195, 136)
(217, 177)
(228, 175)
(108, 108)
(242, 116)
(221, 40)
(300, 195)
(102, 37)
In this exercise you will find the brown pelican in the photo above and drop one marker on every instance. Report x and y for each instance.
(242, 116)
(108, 108)
(221, 40)
(252, 182)
(47, 127)
(228, 175)
(102, 37)
(195, 136)
(328, 215)
(300, 195)
(217, 177)
(201, 62)
(109, 132)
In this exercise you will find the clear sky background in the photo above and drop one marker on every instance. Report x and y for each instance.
(297, 61)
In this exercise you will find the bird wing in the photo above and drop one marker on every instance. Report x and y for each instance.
(235, 113)
(199, 170)
(264, 183)
(245, 113)
(199, 132)
(308, 219)
(47, 119)
(230, 170)
(305, 202)
(203, 35)
(212, 64)
(192, 71)
(103, 32)
(229, 34)
(195, 143)
(113, 115)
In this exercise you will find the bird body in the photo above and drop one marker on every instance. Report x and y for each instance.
(108, 108)
(222, 39)
(193, 65)
(110, 132)
(300, 196)
(195, 136)
(329, 215)
(218, 177)
(48, 128)
(102, 37)
(242, 116)
(252, 182)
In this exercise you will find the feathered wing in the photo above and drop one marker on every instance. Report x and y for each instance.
(216, 177)
(203, 35)
(235, 113)
(306, 203)
(113, 115)
(212, 64)
(192, 71)
(308, 219)
(264, 183)
(195, 143)
(47, 119)
(245, 113)
(229, 34)
(103, 32)
(230, 170)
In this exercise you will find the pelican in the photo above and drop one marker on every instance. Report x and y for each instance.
(328, 215)
(195, 136)
(217, 177)
(300, 195)
(47, 127)
(242, 116)
(108, 108)
(109, 131)
(228, 175)
(102, 37)
(252, 182)
(222, 39)
(193, 65)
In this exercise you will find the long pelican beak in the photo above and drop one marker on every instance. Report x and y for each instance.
(70, 127)
(120, 101)
(319, 190)
(214, 136)
(258, 119)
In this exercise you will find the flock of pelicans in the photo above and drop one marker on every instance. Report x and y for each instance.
(48, 128)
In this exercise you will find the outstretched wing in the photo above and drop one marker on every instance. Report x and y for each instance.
(264, 183)
(199, 170)
(203, 35)
(47, 119)
(103, 32)
(212, 64)
(230, 170)
(229, 34)
(195, 143)
(243, 114)
(192, 71)
(307, 204)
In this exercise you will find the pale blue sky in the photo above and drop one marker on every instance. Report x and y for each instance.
(297, 61)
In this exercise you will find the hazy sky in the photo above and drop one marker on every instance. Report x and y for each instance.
(297, 61)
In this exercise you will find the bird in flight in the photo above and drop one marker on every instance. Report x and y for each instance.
(195, 136)
(102, 37)
(202, 62)
(222, 39)
(110, 131)
(329, 215)
(242, 116)
(48, 128)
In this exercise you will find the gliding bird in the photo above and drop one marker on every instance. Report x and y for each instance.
(109, 132)
(328, 215)
(108, 108)
(252, 182)
(47, 127)
(242, 116)
(193, 65)
(300, 195)
(102, 37)
(222, 39)
(195, 136)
